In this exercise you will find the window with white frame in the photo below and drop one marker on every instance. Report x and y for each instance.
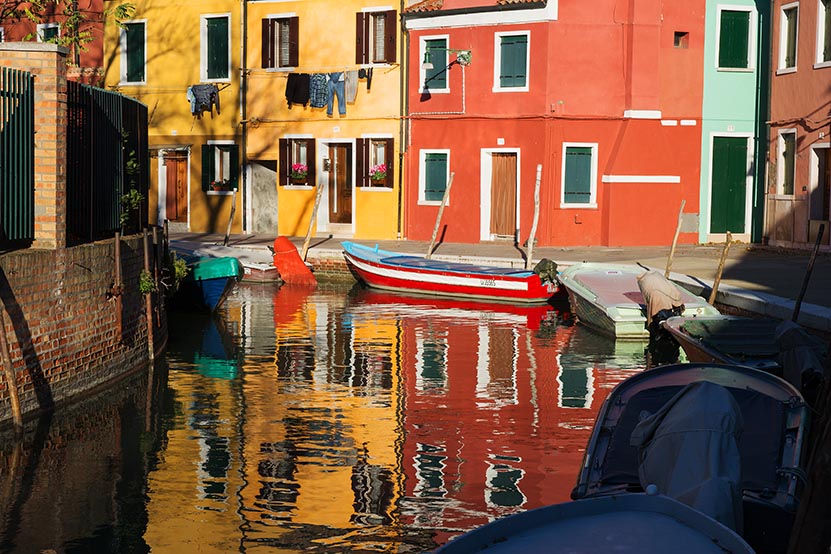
(434, 172)
(511, 61)
(579, 175)
(824, 32)
(736, 36)
(280, 42)
(220, 166)
(48, 32)
(2, 34)
(133, 52)
(787, 161)
(375, 36)
(215, 33)
(433, 53)
(788, 35)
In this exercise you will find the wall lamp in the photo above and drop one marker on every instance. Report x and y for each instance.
(462, 57)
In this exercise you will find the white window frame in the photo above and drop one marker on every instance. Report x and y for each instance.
(780, 159)
(783, 40)
(751, 37)
(422, 176)
(592, 204)
(216, 161)
(497, 60)
(2, 34)
(422, 74)
(203, 47)
(280, 16)
(821, 37)
(42, 26)
(123, 54)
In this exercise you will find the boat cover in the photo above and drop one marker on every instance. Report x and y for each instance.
(689, 449)
(658, 293)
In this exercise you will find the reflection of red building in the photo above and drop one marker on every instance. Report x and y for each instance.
(494, 424)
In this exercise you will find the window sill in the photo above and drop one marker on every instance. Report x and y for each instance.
(298, 187)
(822, 65)
(279, 69)
(132, 83)
(432, 202)
(735, 69)
(371, 188)
(578, 206)
(510, 89)
(220, 80)
(219, 192)
(785, 70)
(434, 91)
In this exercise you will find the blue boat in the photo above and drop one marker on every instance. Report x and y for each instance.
(208, 281)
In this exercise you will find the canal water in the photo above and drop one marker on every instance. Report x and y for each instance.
(334, 419)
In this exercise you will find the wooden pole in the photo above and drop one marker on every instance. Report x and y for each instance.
(529, 254)
(723, 259)
(808, 271)
(148, 302)
(438, 217)
(308, 238)
(118, 285)
(675, 239)
(11, 379)
(231, 217)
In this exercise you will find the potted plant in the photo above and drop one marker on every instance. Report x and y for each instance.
(378, 173)
(299, 173)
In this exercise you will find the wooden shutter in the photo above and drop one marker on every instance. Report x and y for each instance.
(436, 50)
(391, 34)
(233, 155)
(135, 52)
(294, 41)
(268, 26)
(826, 18)
(362, 161)
(514, 58)
(578, 175)
(218, 48)
(361, 38)
(207, 166)
(733, 39)
(311, 161)
(285, 162)
(435, 176)
(791, 17)
(388, 159)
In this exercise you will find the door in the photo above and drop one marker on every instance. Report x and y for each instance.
(176, 187)
(340, 183)
(729, 178)
(819, 200)
(503, 194)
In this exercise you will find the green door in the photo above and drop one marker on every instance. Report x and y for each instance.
(729, 174)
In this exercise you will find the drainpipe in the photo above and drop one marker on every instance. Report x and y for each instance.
(403, 108)
(243, 86)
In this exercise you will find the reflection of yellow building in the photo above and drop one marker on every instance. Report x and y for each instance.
(182, 60)
(295, 50)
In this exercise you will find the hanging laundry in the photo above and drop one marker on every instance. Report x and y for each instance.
(351, 86)
(203, 98)
(334, 87)
(297, 89)
(317, 90)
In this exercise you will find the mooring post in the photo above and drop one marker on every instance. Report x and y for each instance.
(720, 269)
(11, 378)
(148, 300)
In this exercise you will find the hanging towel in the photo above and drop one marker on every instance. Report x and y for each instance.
(297, 89)
(351, 86)
(317, 90)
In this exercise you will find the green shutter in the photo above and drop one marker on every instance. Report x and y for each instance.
(218, 48)
(513, 60)
(135, 52)
(790, 38)
(436, 50)
(234, 156)
(789, 158)
(826, 50)
(734, 36)
(207, 166)
(578, 178)
(435, 176)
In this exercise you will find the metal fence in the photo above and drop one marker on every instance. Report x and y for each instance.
(107, 156)
(17, 157)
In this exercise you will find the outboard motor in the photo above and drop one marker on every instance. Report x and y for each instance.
(547, 270)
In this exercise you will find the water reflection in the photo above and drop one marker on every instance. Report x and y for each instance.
(326, 420)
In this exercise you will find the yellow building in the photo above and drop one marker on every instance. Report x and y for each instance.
(182, 60)
(323, 93)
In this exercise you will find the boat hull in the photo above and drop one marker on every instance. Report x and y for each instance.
(412, 274)
(209, 281)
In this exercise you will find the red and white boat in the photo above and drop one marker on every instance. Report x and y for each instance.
(417, 274)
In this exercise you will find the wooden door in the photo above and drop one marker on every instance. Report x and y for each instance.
(729, 177)
(176, 187)
(503, 194)
(340, 183)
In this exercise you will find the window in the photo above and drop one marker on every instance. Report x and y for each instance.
(280, 42)
(434, 166)
(824, 32)
(375, 156)
(375, 37)
(296, 156)
(220, 166)
(579, 189)
(734, 39)
(215, 55)
(434, 51)
(48, 32)
(2, 34)
(133, 58)
(788, 29)
(511, 62)
(681, 40)
(787, 159)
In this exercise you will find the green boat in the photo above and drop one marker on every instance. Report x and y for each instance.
(209, 280)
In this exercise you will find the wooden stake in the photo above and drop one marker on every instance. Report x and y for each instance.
(148, 303)
(529, 253)
(308, 238)
(11, 379)
(118, 285)
(438, 217)
(231, 217)
(723, 259)
(675, 239)
(798, 304)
